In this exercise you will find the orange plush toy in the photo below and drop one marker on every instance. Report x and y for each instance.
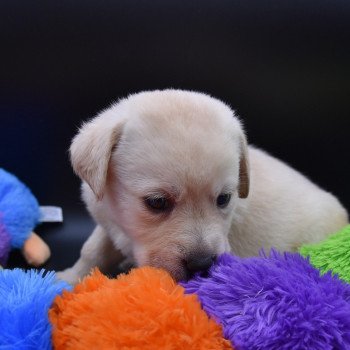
(145, 309)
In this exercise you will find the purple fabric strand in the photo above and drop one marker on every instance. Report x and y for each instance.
(275, 302)
(5, 244)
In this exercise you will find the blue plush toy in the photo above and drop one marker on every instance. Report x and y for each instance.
(19, 214)
(25, 298)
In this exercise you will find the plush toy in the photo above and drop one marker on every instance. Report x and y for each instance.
(25, 298)
(19, 214)
(145, 310)
(276, 302)
(332, 254)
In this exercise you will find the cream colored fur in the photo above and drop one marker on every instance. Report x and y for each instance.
(190, 147)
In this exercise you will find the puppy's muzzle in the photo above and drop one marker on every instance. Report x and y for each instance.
(199, 263)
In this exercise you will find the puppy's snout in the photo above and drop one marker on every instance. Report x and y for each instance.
(199, 263)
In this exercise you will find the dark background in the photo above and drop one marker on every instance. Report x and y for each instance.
(283, 65)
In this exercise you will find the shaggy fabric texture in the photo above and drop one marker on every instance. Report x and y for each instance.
(19, 208)
(333, 254)
(276, 302)
(25, 298)
(145, 309)
(5, 243)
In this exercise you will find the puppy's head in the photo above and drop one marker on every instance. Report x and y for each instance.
(167, 168)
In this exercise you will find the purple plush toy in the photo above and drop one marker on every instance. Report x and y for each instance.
(277, 302)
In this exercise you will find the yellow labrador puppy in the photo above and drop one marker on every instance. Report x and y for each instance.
(170, 181)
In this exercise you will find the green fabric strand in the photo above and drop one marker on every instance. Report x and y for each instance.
(333, 254)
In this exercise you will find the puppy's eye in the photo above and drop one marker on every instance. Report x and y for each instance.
(223, 200)
(158, 204)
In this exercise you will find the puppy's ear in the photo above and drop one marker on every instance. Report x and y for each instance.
(243, 187)
(91, 150)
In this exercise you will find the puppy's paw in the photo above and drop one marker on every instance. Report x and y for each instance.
(126, 265)
(68, 275)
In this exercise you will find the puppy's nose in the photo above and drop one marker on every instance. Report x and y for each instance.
(200, 263)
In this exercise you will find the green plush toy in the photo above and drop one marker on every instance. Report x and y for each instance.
(332, 254)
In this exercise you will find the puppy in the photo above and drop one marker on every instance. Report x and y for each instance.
(171, 183)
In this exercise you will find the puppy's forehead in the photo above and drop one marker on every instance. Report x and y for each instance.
(176, 112)
(178, 137)
(163, 106)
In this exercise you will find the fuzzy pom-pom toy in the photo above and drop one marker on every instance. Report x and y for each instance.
(25, 298)
(145, 309)
(276, 302)
(19, 214)
(333, 254)
(270, 302)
